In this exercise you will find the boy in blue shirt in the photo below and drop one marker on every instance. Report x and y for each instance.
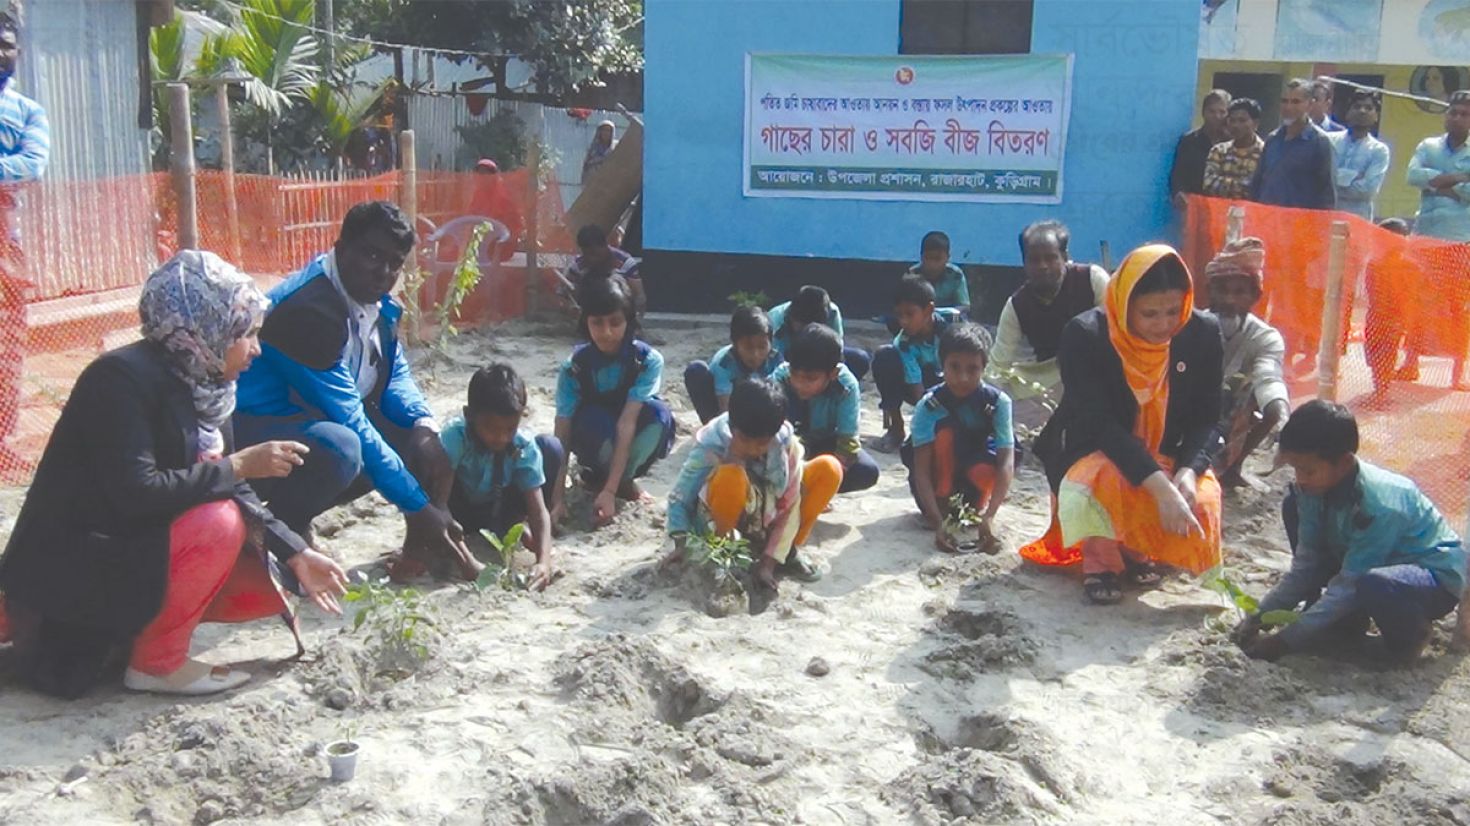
(812, 305)
(823, 403)
(904, 369)
(1366, 545)
(749, 353)
(963, 440)
(491, 455)
(746, 471)
(951, 288)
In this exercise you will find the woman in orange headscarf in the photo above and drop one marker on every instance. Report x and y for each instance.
(1128, 451)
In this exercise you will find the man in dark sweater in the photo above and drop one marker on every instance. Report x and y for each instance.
(1023, 362)
(1187, 177)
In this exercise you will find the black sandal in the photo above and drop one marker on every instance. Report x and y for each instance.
(1145, 575)
(1103, 588)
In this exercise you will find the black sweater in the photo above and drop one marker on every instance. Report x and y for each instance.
(1098, 409)
(91, 546)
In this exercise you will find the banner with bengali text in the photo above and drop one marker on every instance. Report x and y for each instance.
(908, 128)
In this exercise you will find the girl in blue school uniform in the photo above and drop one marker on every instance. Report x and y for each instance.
(607, 405)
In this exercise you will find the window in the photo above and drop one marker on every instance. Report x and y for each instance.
(965, 26)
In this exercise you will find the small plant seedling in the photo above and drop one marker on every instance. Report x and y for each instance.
(503, 576)
(466, 277)
(398, 618)
(960, 521)
(728, 555)
(1249, 605)
(744, 298)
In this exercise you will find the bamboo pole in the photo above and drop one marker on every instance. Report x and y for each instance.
(227, 163)
(533, 206)
(1330, 351)
(181, 157)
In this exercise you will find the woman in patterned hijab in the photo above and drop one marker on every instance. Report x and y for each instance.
(197, 307)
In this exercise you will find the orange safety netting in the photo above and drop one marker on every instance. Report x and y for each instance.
(69, 286)
(1405, 315)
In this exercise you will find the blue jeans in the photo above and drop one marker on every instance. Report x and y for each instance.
(505, 510)
(888, 375)
(331, 473)
(595, 428)
(860, 475)
(857, 360)
(699, 381)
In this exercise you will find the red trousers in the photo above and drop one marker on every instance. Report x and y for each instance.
(212, 577)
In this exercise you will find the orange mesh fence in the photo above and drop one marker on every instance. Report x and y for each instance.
(1406, 329)
(69, 282)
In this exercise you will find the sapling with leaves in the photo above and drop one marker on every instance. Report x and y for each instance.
(503, 576)
(728, 556)
(1248, 605)
(466, 277)
(401, 623)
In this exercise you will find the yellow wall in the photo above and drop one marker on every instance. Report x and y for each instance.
(1402, 126)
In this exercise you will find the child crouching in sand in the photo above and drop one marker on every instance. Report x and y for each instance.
(607, 406)
(746, 472)
(502, 474)
(1367, 545)
(962, 439)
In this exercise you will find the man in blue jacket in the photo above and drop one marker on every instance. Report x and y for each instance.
(333, 376)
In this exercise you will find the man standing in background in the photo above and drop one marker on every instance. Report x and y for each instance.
(1361, 160)
(1296, 171)
(1440, 170)
(25, 146)
(1188, 174)
(1232, 164)
(1320, 109)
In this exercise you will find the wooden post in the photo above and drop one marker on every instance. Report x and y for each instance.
(1234, 223)
(181, 157)
(1332, 305)
(409, 200)
(227, 163)
(533, 208)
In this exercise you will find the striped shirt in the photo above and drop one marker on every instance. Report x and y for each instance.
(25, 137)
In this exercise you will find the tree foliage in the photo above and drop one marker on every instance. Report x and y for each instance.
(569, 44)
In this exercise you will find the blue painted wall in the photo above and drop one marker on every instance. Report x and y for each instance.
(1134, 87)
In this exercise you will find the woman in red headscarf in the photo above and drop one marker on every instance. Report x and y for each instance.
(1128, 451)
(493, 199)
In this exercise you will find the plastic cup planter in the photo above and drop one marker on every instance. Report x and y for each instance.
(342, 757)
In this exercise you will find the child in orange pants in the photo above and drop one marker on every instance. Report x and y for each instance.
(746, 472)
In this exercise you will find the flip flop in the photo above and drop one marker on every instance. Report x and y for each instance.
(1146, 575)
(214, 680)
(1102, 589)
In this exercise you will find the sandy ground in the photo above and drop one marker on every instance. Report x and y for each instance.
(950, 690)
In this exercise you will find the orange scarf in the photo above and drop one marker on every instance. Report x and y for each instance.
(1145, 365)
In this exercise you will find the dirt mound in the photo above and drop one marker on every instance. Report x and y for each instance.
(625, 673)
(971, 786)
(973, 642)
(1323, 787)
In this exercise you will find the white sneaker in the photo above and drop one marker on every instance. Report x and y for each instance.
(193, 679)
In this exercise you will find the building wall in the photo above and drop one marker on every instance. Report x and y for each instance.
(1402, 125)
(80, 60)
(1134, 80)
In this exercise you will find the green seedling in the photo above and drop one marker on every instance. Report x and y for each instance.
(743, 298)
(960, 516)
(1043, 394)
(467, 276)
(1249, 605)
(728, 555)
(503, 576)
(401, 622)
